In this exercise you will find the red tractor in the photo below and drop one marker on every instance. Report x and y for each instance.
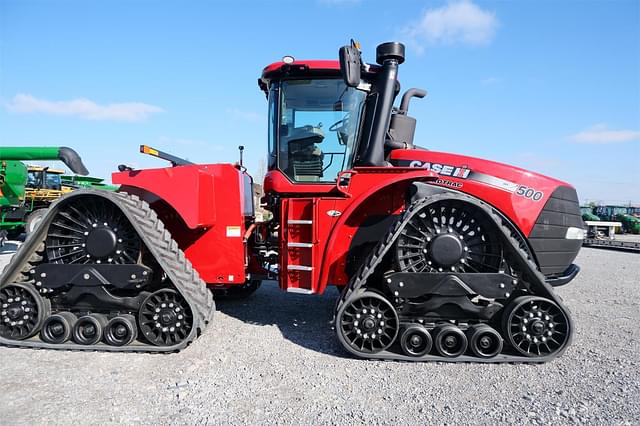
(438, 256)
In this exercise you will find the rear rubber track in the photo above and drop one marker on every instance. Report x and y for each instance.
(157, 240)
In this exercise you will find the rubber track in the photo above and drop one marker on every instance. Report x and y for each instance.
(517, 254)
(156, 239)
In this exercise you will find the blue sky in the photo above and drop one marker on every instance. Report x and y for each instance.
(550, 86)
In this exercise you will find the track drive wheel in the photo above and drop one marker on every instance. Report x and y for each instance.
(91, 230)
(367, 324)
(165, 318)
(535, 326)
(22, 311)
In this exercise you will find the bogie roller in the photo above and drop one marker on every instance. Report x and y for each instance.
(449, 341)
(88, 329)
(58, 328)
(416, 341)
(121, 331)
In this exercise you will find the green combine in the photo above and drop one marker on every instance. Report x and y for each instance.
(86, 182)
(627, 215)
(587, 214)
(18, 207)
(630, 223)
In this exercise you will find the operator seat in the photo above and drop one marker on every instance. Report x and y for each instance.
(305, 157)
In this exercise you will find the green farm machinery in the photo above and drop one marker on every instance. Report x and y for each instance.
(21, 186)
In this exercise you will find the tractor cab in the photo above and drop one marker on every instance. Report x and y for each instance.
(40, 178)
(326, 117)
(314, 120)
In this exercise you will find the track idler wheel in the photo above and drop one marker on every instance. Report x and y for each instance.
(57, 328)
(449, 341)
(484, 341)
(416, 341)
(121, 331)
(88, 329)
(368, 324)
(22, 311)
(165, 318)
(535, 326)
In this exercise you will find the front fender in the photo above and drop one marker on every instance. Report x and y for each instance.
(372, 191)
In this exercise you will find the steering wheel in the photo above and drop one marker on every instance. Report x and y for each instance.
(334, 127)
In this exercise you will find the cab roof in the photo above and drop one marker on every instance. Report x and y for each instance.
(36, 168)
(314, 65)
(281, 69)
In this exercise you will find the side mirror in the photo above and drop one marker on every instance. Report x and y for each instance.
(350, 65)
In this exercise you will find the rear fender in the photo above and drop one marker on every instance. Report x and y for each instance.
(188, 189)
(201, 205)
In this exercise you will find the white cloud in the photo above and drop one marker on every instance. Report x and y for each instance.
(601, 134)
(239, 114)
(83, 108)
(458, 22)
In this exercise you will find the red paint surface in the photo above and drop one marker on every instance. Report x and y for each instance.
(198, 203)
(523, 212)
(208, 200)
(312, 65)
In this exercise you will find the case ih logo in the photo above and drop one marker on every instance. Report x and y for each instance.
(443, 169)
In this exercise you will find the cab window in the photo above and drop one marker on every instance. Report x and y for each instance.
(317, 128)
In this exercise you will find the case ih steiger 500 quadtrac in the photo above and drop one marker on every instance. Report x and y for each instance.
(438, 256)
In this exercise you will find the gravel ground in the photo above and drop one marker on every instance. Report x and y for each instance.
(273, 359)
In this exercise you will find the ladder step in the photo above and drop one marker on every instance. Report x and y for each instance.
(303, 245)
(299, 222)
(299, 268)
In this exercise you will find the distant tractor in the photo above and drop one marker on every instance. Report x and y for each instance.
(626, 215)
(438, 256)
(26, 190)
(587, 214)
(630, 223)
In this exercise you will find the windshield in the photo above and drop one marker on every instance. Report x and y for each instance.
(34, 179)
(52, 180)
(318, 125)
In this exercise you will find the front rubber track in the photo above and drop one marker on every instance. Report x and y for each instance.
(156, 239)
(519, 257)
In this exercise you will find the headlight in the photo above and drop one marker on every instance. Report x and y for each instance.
(575, 233)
